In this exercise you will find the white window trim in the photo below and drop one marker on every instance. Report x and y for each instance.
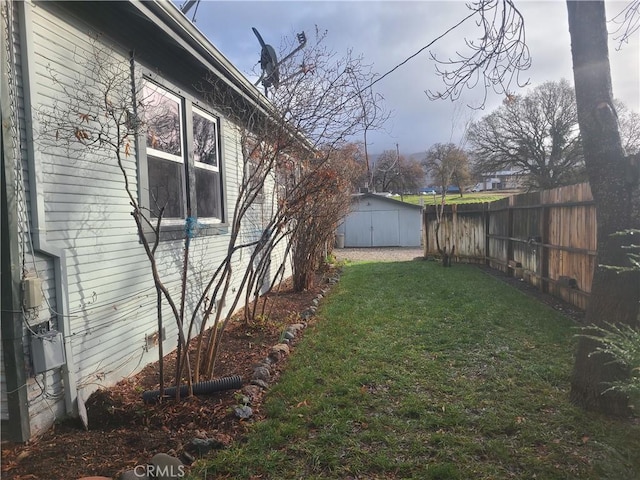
(172, 228)
(215, 121)
(170, 95)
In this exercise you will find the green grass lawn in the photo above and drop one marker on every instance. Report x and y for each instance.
(472, 197)
(412, 370)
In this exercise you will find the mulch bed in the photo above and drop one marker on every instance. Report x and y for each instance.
(125, 432)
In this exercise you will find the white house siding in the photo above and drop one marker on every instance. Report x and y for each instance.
(111, 297)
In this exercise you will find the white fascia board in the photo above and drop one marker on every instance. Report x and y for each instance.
(169, 18)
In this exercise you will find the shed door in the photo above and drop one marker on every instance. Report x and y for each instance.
(378, 228)
(385, 229)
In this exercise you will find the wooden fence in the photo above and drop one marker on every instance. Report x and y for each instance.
(547, 238)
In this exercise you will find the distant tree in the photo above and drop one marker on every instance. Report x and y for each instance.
(384, 171)
(536, 133)
(396, 173)
(629, 122)
(411, 174)
(360, 172)
(447, 164)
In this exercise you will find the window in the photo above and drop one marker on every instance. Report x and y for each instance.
(205, 157)
(165, 160)
(175, 127)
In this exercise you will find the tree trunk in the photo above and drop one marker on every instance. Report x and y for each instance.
(614, 297)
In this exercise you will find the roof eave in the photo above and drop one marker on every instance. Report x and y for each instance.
(165, 13)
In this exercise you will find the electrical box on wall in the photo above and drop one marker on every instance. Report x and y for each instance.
(31, 292)
(47, 351)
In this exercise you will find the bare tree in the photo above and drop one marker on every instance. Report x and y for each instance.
(411, 176)
(385, 171)
(374, 116)
(393, 172)
(629, 122)
(495, 60)
(614, 176)
(314, 111)
(447, 164)
(536, 134)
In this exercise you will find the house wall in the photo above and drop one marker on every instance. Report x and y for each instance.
(84, 211)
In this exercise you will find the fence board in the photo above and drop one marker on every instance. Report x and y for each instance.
(548, 238)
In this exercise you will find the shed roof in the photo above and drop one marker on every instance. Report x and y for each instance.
(360, 196)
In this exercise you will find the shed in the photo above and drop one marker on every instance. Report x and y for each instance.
(379, 221)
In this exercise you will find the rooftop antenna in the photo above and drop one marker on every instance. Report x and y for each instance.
(269, 63)
(187, 6)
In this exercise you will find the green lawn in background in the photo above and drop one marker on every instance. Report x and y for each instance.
(414, 371)
(471, 197)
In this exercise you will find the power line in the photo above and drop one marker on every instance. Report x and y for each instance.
(406, 60)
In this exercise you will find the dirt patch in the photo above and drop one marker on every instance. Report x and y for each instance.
(383, 254)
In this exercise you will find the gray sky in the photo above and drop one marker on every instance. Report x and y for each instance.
(386, 33)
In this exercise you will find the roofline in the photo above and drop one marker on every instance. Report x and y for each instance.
(178, 23)
(358, 196)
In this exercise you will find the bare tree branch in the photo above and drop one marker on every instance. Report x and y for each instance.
(495, 60)
(628, 23)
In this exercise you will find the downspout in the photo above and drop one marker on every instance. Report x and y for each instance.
(38, 224)
(18, 426)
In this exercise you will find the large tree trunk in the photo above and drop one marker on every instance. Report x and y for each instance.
(614, 297)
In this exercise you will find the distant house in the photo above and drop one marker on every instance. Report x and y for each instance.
(78, 300)
(381, 221)
(501, 180)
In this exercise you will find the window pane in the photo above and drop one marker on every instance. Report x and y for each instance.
(208, 193)
(165, 187)
(205, 140)
(162, 116)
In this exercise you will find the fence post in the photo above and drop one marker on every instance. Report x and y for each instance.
(486, 215)
(544, 254)
(509, 233)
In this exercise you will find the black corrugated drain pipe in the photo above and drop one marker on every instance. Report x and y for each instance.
(210, 386)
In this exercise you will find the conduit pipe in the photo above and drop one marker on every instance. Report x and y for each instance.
(201, 388)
